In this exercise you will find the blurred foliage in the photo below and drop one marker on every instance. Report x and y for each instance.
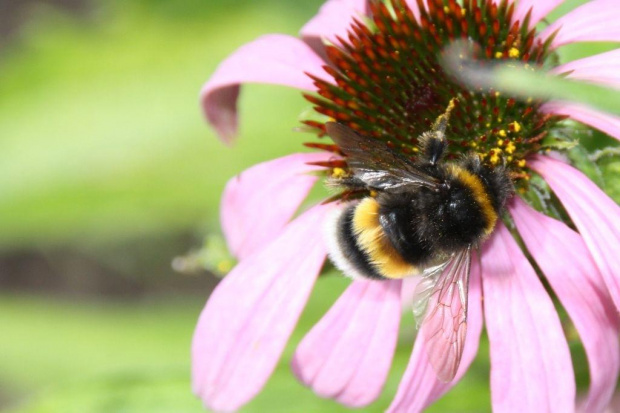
(213, 256)
(103, 147)
(133, 357)
(525, 82)
(102, 135)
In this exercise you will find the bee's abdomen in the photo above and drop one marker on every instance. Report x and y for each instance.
(374, 244)
(346, 254)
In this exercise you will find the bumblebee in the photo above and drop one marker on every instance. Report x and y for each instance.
(422, 217)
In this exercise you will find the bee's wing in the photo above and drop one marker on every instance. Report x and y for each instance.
(374, 163)
(440, 306)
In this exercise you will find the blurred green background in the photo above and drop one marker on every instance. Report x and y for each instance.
(108, 172)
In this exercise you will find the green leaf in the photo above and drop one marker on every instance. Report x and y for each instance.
(525, 81)
(608, 161)
(213, 257)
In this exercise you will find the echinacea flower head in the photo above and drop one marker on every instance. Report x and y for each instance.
(377, 67)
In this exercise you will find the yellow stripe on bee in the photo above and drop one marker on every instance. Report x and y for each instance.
(481, 196)
(372, 240)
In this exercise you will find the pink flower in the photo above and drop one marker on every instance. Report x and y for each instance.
(386, 83)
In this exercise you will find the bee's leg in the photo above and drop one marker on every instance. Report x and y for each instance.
(433, 143)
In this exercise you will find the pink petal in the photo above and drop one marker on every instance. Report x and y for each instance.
(275, 59)
(408, 290)
(259, 202)
(531, 368)
(562, 255)
(540, 9)
(415, 9)
(606, 123)
(603, 68)
(333, 19)
(596, 20)
(348, 354)
(250, 315)
(596, 216)
(419, 386)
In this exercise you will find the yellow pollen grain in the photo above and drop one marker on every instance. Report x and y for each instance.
(463, 12)
(473, 145)
(373, 193)
(498, 55)
(446, 9)
(496, 154)
(510, 148)
(415, 149)
(513, 52)
(502, 133)
(516, 126)
(521, 163)
(339, 173)
(509, 158)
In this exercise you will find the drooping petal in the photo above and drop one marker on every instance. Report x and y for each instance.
(419, 386)
(249, 317)
(604, 122)
(603, 68)
(540, 9)
(333, 19)
(564, 259)
(596, 216)
(274, 59)
(531, 368)
(348, 354)
(593, 21)
(258, 203)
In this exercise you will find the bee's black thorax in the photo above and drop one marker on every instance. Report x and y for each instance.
(462, 212)
(423, 223)
(458, 219)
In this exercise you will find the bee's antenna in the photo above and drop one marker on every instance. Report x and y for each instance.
(433, 143)
(441, 123)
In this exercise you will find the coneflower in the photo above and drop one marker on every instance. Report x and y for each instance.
(376, 67)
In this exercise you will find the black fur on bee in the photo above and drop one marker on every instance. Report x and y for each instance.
(422, 211)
